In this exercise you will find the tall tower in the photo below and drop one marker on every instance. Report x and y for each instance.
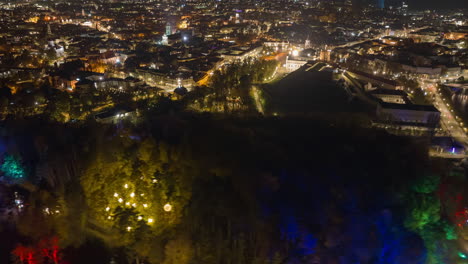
(49, 31)
(307, 43)
(381, 4)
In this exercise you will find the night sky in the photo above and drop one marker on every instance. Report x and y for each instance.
(438, 4)
(426, 4)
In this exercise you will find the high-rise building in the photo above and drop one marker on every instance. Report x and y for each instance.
(404, 8)
(168, 29)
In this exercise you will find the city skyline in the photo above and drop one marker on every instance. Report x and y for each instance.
(233, 132)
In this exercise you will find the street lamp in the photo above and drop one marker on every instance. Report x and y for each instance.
(167, 207)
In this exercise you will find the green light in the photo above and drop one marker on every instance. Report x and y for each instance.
(463, 256)
(12, 168)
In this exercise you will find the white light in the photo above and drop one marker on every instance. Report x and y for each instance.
(107, 209)
(116, 195)
(139, 217)
(134, 204)
(127, 203)
(145, 205)
(295, 53)
(167, 207)
(129, 228)
(126, 186)
(120, 200)
(150, 220)
(132, 195)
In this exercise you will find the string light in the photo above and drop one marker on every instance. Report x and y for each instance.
(150, 220)
(145, 205)
(107, 209)
(129, 228)
(127, 203)
(140, 217)
(120, 200)
(134, 204)
(132, 195)
(126, 186)
(116, 195)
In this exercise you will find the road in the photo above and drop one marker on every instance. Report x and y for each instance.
(396, 33)
(450, 123)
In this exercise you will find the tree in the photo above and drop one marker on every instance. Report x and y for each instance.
(12, 168)
(178, 250)
(51, 55)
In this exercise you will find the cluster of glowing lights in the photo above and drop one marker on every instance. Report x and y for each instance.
(51, 212)
(461, 217)
(462, 255)
(120, 199)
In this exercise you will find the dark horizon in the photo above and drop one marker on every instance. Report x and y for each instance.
(436, 4)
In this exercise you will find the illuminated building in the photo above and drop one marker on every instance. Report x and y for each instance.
(168, 29)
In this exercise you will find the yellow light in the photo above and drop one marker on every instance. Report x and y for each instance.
(127, 203)
(145, 205)
(120, 200)
(134, 204)
(167, 207)
(129, 228)
(150, 220)
(155, 181)
(126, 186)
(142, 194)
(107, 209)
(116, 195)
(109, 217)
(139, 217)
(132, 195)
